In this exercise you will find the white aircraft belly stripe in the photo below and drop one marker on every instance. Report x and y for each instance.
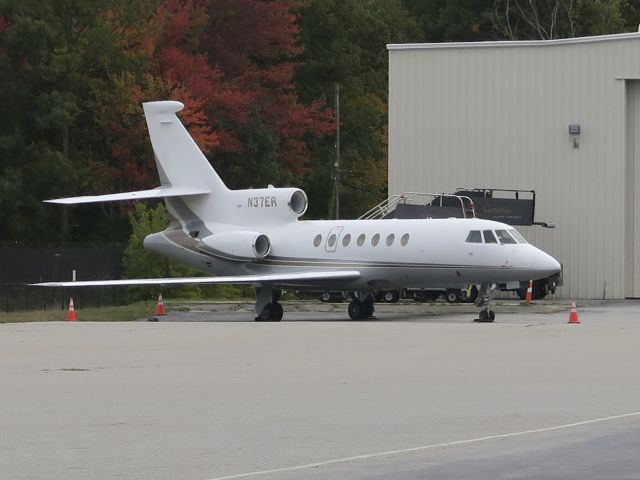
(377, 263)
(338, 263)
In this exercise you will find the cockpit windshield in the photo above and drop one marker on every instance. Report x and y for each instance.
(474, 237)
(489, 237)
(504, 237)
(518, 236)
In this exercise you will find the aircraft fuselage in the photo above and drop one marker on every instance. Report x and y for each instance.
(390, 254)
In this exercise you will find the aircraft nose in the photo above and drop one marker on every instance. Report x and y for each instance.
(546, 263)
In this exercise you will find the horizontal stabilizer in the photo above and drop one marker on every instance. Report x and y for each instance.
(160, 192)
(299, 279)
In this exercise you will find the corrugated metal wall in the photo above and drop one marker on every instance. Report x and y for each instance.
(497, 116)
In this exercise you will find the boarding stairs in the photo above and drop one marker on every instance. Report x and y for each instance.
(422, 205)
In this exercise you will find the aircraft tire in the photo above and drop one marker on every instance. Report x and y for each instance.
(356, 310)
(368, 310)
(278, 312)
(392, 296)
(453, 296)
(272, 312)
(473, 294)
(485, 316)
(540, 290)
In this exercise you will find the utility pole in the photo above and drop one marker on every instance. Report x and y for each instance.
(336, 170)
(64, 234)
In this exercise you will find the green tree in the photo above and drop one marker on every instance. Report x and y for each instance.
(549, 19)
(138, 262)
(453, 20)
(56, 62)
(345, 43)
(74, 72)
(141, 263)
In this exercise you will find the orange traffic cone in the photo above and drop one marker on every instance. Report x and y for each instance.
(71, 313)
(527, 298)
(573, 314)
(160, 307)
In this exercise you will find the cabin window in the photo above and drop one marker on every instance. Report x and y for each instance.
(504, 237)
(317, 241)
(375, 239)
(489, 237)
(361, 239)
(516, 234)
(332, 240)
(346, 240)
(390, 238)
(404, 240)
(474, 236)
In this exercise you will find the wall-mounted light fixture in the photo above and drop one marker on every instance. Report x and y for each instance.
(574, 133)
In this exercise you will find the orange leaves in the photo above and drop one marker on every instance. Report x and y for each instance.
(237, 58)
(196, 121)
(232, 63)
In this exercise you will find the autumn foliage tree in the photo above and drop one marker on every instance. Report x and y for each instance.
(257, 80)
(73, 74)
(237, 58)
(58, 61)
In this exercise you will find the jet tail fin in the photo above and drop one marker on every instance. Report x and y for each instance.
(178, 157)
(190, 187)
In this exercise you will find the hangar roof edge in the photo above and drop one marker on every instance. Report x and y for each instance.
(514, 43)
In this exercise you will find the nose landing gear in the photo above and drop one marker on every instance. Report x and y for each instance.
(484, 298)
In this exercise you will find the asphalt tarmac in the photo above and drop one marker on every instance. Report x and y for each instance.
(408, 395)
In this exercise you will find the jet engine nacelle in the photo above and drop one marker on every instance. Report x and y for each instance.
(237, 245)
(263, 205)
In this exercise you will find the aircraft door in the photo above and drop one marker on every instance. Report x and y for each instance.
(331, 243)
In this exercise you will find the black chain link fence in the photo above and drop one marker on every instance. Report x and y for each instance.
(22, 265)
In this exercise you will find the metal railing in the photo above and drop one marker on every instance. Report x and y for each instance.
(387, 206)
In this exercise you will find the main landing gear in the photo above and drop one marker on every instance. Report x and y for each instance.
(483, 299)
(361, 306)
(268, 308)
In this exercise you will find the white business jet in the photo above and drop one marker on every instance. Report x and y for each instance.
(255, 237)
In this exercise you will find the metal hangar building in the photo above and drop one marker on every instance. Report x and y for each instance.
(561, 117)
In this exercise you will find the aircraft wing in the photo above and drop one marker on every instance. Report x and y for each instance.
(294, 279)
(160, 192)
